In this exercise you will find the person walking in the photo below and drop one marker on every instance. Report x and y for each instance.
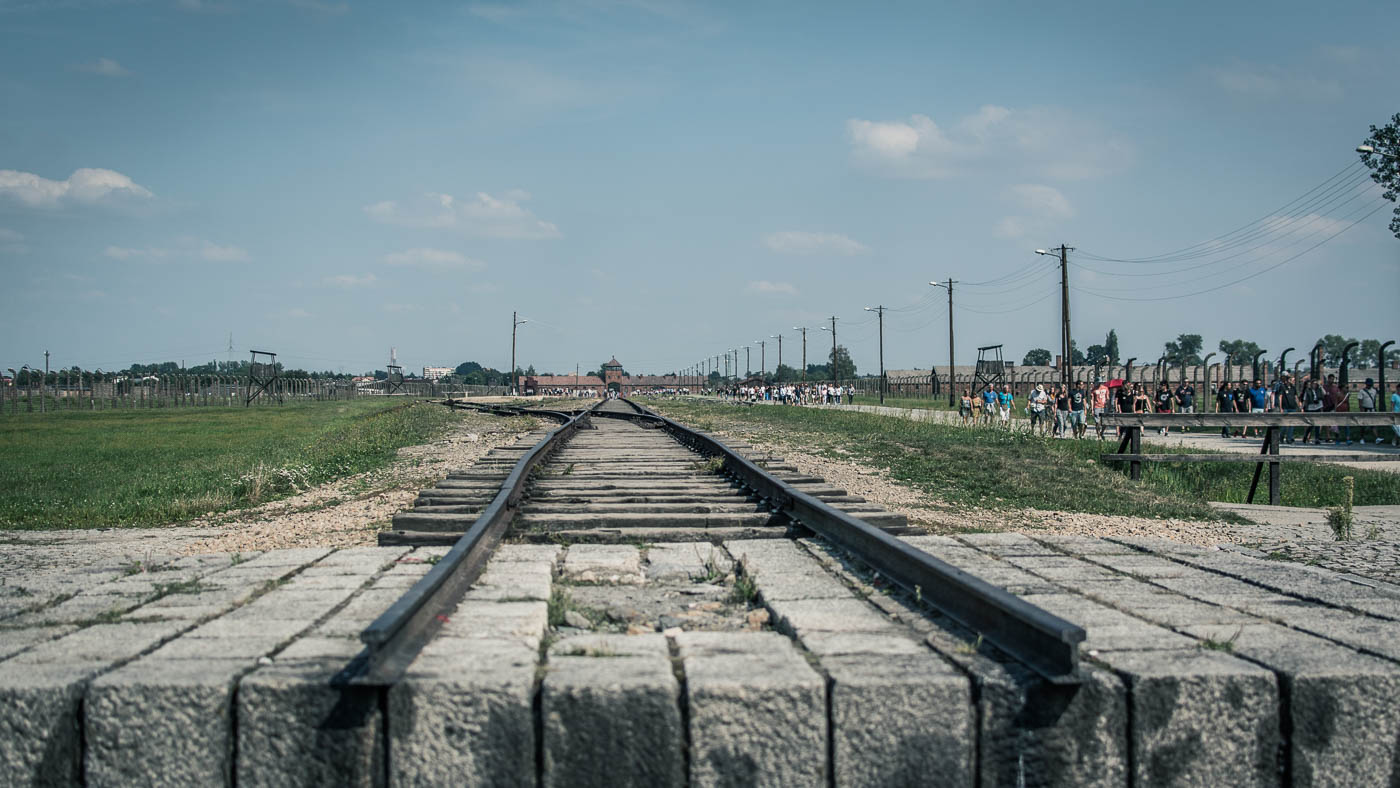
(1335, 400)
(1258, 399)
(1005, 400)
(965, 407)
(1163, 401)
(1078, 402)
(1035, 405)
(1100, 407)
(1185, 399)
(1224, 403)
(1366, 400)
(1395, 408)
(1286, 400)
(989, 405)
(1061, 411)
(1141, 403)
(1314, 401)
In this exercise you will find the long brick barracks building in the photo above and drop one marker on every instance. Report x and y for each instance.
(612, 379)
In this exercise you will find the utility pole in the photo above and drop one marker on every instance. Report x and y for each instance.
(748, 360)
(778, 337)
(880, 310)
(1066, 344)
(835, 373)
(762, 358)
(44, 382)
(804, 351)
(515, 321)
(949, 286)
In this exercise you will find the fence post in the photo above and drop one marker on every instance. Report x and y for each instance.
(1135, 446)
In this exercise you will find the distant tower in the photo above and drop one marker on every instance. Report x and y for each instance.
(230, 349)
(393, 357)
(612, 374)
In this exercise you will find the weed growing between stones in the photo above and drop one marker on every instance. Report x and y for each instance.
(745, 587)
(1227, 645)
(1339, 518)
(971, 647)
(191, 586)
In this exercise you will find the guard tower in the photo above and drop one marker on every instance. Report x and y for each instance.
(612, 375)
(991, 371)
(263, 374)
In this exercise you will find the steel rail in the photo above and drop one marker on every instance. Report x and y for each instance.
(1042, 641)
(395, 638)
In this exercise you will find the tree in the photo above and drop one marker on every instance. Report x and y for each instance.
(1076, 356)
(530, 370)
(1332, 347)
(1385, 163)
(819, 372)
(1370, 351)
(786, 374)
(840, 361)
(1096, 354)
(1242, 351)
(467, 367)
(1110, 346)
(1036, 357)
(714, 377)
(1185, 351)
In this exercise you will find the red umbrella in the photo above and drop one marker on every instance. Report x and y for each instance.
(1115, 383)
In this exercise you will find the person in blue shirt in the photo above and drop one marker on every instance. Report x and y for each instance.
(1005, 399)
(1395, 408)
(989, 404)
(1258, 400)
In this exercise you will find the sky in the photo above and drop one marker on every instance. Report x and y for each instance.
(662, 181)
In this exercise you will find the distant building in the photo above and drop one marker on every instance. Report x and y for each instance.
(612, 379)
(433, 373)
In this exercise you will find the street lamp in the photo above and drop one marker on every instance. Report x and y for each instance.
(778, 337)
(1371, 149)
(762, 359)
(880, 310)
(949, 287)
(515, 321)
(804, 331)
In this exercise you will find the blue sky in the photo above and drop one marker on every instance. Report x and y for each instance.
(662, 181)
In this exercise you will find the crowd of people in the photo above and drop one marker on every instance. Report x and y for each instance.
(794, 393)
(1067, 411)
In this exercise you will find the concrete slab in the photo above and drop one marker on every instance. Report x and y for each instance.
(679, 561)
(757, 710)
(900, 720)
(42, 741)
(161, 723)
(611, 713)
(1200, 717)
(603, 563)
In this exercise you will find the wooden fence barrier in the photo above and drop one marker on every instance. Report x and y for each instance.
(1130, 426)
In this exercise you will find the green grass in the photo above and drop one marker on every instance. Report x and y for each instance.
(1001, 469)
(148, 467)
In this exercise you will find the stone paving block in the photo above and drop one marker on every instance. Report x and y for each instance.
(611, 713)
(292, 557)
(366, 556)
(603, 563)
(13, 641)
(296, 729)
(825, 644)
(327, 582)
(41, 743)
(81, 609)
(681, 561)
(1200, 717)
(108, 643)
(463, 715)
(358, 613)
(802, 617)
(549, 553)
(166, 722)
(903, 719)
(291, 605)
(757, 710)
(523, 622)
(514, 580)
(258, 629)
(244, 647)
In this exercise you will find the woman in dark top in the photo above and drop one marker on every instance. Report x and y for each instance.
(1140, 401)
(1242, 403)
(1224, 403)
(1163, 401)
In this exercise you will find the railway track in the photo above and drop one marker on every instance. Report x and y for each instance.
(616, 472)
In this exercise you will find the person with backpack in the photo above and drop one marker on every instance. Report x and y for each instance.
(1313, 402)
(1366, 400)
(1286, 400)
(1224, 403)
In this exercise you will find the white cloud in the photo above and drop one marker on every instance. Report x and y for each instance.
(350, 280)
(481, 215)
(764, 287)
(1038, 207)
(182, 249)
(433, 258)
(1045, 140)
(797, 242)
(86, 185)
(1270, 82)
(221, 254)
(105, 67)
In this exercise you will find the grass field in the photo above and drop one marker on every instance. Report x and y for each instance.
(147, 467)
(998, 469)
